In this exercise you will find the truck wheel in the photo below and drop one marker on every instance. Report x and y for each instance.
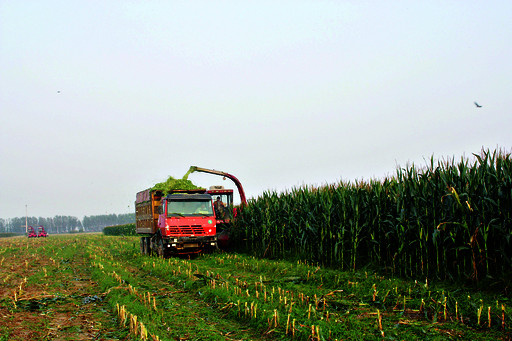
(153, 245)
(148, 245)
(142, 246)
(145, 248)
(160, 249)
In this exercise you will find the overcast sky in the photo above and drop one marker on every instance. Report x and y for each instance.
(102, 99)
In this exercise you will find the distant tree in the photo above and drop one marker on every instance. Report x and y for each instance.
(63, 224)
(18, 225)
(98, 222)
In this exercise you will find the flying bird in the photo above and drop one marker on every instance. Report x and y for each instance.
(477, 105)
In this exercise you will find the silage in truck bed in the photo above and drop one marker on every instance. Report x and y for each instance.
(173, 184)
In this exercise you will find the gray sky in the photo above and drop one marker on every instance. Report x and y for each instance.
(101, 99)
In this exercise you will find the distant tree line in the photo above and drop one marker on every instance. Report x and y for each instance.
(98, 222)
(66, 224)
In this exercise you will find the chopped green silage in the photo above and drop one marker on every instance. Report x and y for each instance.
(192, 169)
(174, 184)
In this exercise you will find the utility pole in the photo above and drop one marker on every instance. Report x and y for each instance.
(26, 220)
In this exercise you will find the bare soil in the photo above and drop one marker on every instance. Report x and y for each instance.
(43, 299)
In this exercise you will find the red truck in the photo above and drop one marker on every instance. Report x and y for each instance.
(182, 222)
(185, 221)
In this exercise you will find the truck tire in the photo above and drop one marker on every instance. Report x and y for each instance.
(153, 244)
(148, 246)
(145, 245)
(160, 248)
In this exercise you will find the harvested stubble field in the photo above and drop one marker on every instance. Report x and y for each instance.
(95, 287)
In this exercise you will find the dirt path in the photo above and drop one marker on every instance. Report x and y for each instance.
(47, 298)
(50, 291)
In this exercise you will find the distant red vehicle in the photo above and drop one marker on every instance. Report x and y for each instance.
(42, 232)
(31, 232)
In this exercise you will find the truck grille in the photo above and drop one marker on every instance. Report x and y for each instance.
(195, 230)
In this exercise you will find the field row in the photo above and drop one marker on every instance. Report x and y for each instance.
(100, 287)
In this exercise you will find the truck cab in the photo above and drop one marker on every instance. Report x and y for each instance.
(188, 221)
(182, 222)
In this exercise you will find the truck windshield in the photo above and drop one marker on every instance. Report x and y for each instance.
(188, 208)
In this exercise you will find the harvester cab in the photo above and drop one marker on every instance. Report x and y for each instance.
(223, 215)
(31, 232)
(225, 175)
(42, 232)
(222, 203)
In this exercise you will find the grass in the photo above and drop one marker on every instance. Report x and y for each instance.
(100, 287)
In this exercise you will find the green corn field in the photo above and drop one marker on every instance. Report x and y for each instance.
(449, 220)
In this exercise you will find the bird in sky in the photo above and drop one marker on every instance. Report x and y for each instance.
(477, 105)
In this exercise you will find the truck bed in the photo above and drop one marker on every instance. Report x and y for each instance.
(146, 211)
